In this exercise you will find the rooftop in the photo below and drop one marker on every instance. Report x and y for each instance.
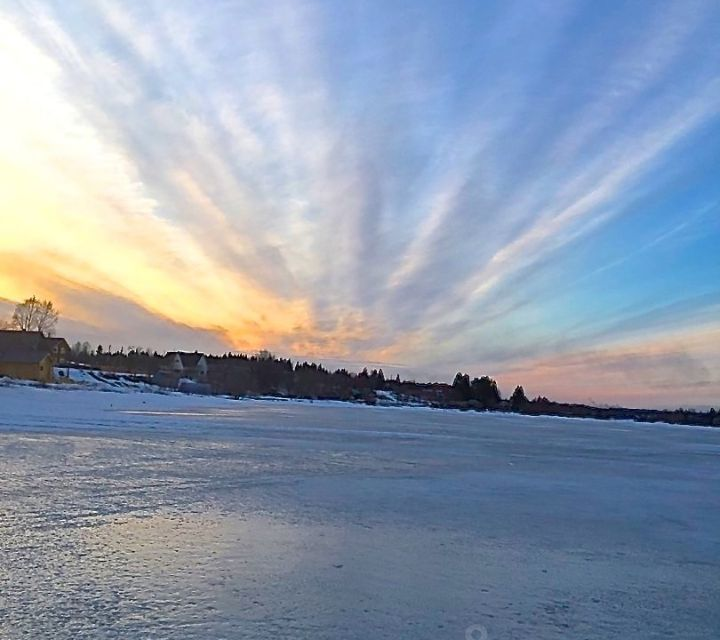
(23, 356)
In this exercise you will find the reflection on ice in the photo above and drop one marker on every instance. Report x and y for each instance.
(172, 517)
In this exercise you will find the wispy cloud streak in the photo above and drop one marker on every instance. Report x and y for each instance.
(361, 182)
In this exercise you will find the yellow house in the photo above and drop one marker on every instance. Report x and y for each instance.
(58, 347)
(30, 355)
(27, 365)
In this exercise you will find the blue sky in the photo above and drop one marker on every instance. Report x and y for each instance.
(525, 189)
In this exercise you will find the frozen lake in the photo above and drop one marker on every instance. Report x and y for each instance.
(144, 516)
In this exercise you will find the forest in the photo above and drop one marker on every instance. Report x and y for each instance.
(264, 374)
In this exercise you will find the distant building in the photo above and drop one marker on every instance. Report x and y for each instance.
(179, 366)
(59, 349)
(30, 355)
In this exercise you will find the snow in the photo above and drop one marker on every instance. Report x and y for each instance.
(96, 379)
(141, 515)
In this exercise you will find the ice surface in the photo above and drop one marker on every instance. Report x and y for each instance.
(126, 515)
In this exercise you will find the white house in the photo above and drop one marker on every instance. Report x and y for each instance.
(179, 365)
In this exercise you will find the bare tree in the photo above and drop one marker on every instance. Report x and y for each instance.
(35, 315)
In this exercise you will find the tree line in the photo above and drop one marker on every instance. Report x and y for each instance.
(265, 374)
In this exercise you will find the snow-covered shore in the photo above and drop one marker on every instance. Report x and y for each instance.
(142, 515)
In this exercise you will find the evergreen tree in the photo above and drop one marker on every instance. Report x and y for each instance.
(485, 391)
(462, 385)
(518, 400)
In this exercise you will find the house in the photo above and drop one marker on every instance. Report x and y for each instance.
(30, 355)
(178, 366)
(59, 349)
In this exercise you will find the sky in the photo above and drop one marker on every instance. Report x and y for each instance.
(526, 189)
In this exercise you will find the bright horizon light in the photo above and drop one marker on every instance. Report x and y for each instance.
(527, 190)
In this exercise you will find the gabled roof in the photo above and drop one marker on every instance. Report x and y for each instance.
(27, 341)
(20, 340)
(23, 356)
(189, 360)
(61, 342)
